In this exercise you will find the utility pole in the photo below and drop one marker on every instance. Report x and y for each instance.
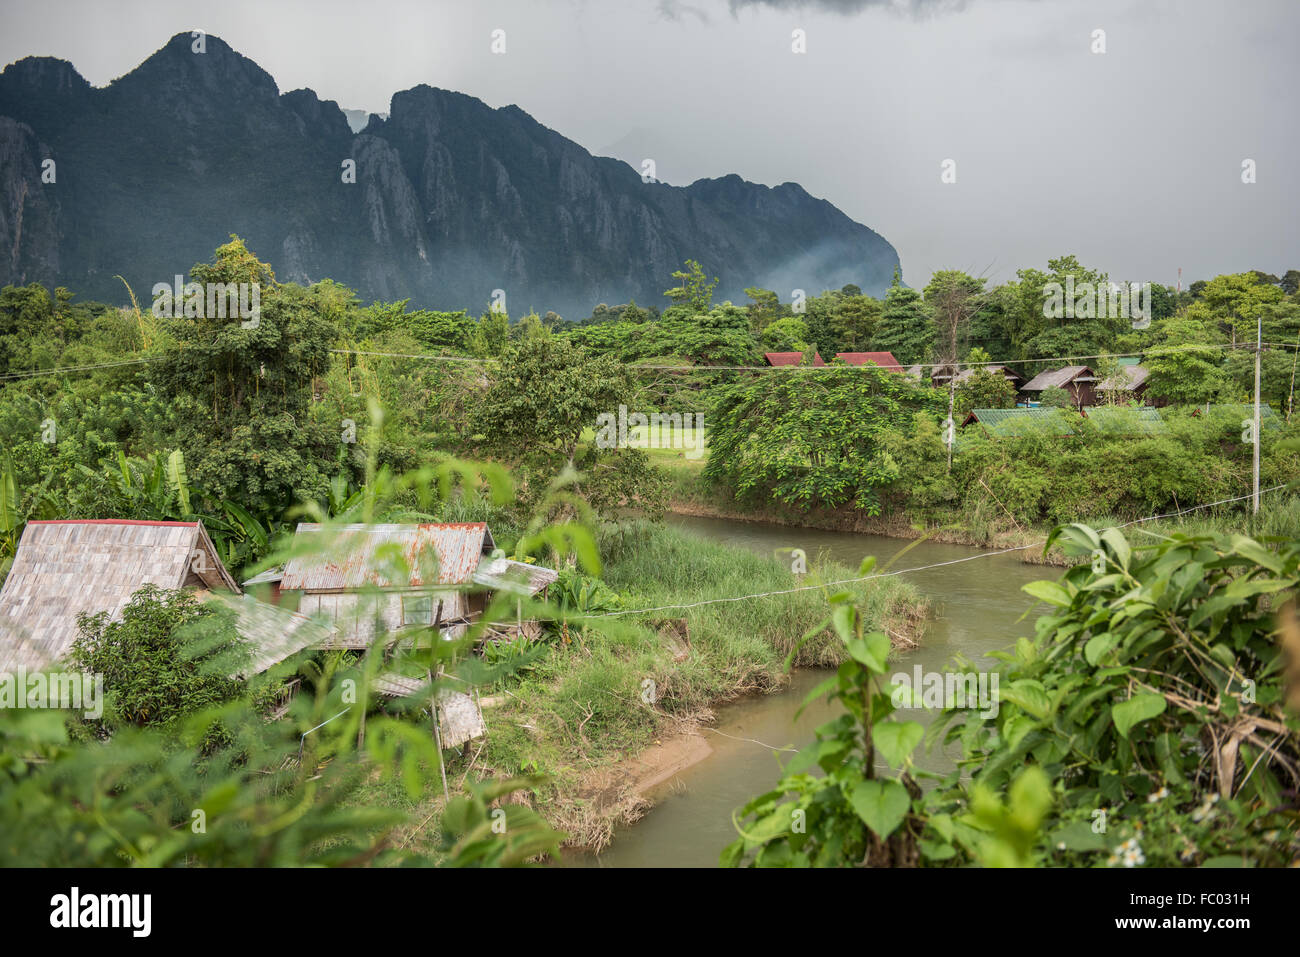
(950, 427)
(1259, 347)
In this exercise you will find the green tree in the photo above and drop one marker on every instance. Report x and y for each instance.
(953, 298)
(694, 288)
(166, 656)
(906, 327)
(241, 389)
(812, 438)
(543, 392)
(1055, 397)
(853, 322)
(786, 335)
(1185, 365)
(983, 389)
(720, 336)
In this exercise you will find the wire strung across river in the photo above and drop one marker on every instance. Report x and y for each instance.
(905, 571)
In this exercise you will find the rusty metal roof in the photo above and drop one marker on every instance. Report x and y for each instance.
(387, 556)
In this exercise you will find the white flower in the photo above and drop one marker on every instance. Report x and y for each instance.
(1155, 796)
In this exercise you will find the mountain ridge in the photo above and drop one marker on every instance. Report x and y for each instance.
(452, 198)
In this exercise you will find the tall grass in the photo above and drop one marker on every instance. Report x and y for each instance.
(615, 687)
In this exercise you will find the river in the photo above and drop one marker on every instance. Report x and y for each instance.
(976, 606)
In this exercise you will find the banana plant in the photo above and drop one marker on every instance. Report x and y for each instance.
(16, 508)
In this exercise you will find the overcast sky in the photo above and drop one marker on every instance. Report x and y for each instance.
(1131, 159)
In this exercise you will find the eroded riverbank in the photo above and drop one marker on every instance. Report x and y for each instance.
(976, 604)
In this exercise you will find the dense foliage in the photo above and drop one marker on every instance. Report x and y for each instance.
(1144, 723)
(809, 438)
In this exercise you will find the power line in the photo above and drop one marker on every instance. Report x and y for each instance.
(62, 369)
(907, 571)
(36, 373)
(810, 368)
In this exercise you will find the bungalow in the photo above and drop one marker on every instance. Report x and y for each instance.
(791, 358)
(64, 568)
(394, 576)
(940, 376)
(1131, 379)
(885, 360)
(1079, 381)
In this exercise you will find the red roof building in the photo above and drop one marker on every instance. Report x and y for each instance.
(790, 358)
(885, 360)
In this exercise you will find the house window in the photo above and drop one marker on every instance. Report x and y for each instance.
(417, 611)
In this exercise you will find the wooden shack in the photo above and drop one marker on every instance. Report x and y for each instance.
(1079, 381)
(369, 579)
(1133, 381)
(67, 567)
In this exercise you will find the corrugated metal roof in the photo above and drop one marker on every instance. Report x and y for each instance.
(506, 574)
(274, 633)
(1056, 377)
(1122, 420)
(66, 567)
(1021, 421)
(944, 373)
(266, 577)
(1267, 417)
(353, 557)
(885, 360)
(791, 358)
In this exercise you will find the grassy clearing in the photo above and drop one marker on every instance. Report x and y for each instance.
(680, 451)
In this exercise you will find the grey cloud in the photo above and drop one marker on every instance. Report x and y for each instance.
(851, 7)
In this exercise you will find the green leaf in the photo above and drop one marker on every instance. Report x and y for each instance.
(1097, 647)
(177, 481)
(896, 739)
(1078, 836)
(872, 650)
(1118, 545)
(882, 805)
(1139, 708)
(1050, 592)
(1027, 694)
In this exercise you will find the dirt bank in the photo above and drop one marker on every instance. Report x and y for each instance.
(890, 526)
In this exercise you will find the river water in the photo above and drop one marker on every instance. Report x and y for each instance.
(976, 607)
